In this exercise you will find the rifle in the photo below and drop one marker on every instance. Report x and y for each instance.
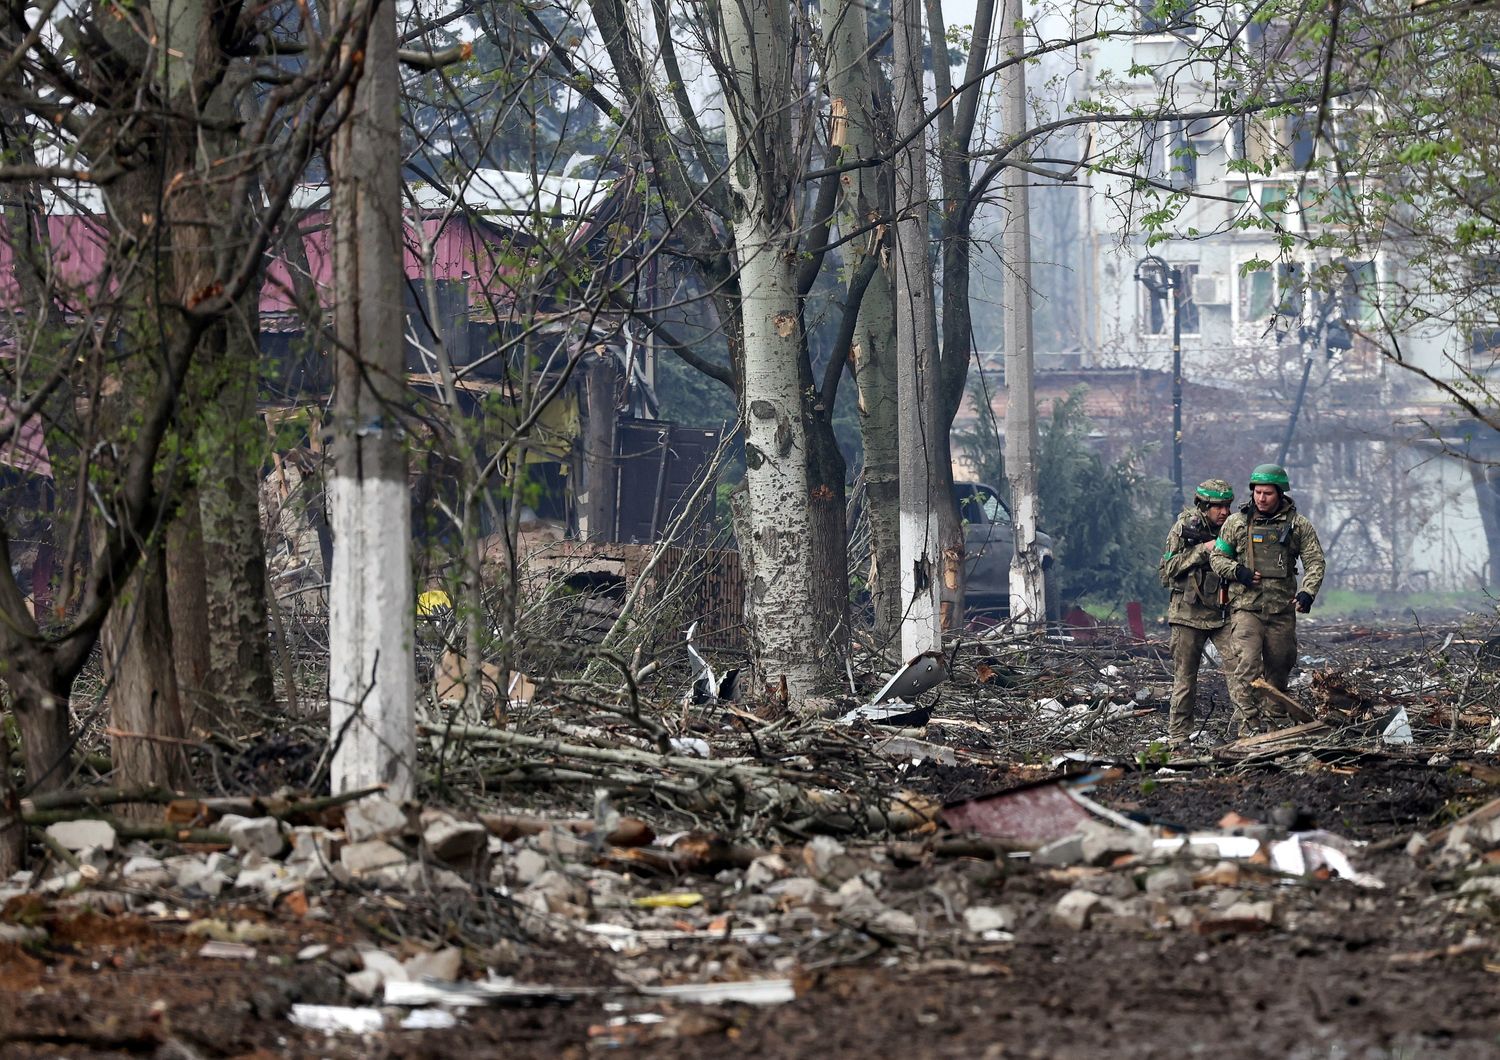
(1194, 533)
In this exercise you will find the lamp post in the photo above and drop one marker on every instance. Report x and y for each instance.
(1163, 281)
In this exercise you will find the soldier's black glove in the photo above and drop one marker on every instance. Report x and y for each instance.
(1244, 575)
(1304, 602)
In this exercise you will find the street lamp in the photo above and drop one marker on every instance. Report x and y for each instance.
(1164, 280)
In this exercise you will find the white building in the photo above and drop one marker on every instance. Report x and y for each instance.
(1250, 214)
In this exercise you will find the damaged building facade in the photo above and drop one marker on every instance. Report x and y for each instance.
(1284, 341)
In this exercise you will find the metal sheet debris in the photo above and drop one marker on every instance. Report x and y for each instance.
(895, 713)
(923, 672)
(1032, 814)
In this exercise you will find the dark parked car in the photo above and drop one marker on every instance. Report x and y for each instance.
(989, 541)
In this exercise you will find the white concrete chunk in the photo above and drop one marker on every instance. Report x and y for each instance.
(76, 835)
(444, 964)
(372, 854)
(981, 918)
(449, 839)
(374, 818)
(263, 835)
(1076, 908)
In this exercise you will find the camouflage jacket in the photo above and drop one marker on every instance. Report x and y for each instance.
(1185, 570)
(1273, 545)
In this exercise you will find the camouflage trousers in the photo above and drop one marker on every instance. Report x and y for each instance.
(1264, 646)
(1187, 655)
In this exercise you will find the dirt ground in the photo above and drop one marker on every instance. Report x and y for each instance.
(1407, 970)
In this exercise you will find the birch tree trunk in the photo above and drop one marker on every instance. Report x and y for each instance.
(1027, 600)
(859, 91)
(916, 345)
(371, 679)
(757, 46)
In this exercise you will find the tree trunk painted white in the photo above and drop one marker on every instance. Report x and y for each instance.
(756, 45)
(372, 678)
(1027, 599)
(916, 346)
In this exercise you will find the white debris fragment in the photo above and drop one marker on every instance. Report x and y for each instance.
(984, 919)
(1398, 732)
(691, 746)
(744, 992)
(1305, 852)
(338, 1019)
(260, 835)
(81, 834)
(1075, 909)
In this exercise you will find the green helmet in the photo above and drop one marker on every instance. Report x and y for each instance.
(1270, 475)
(1215, 491)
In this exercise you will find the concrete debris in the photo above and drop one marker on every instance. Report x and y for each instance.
(1075, 909)
(449, 839)
(442, 965)
(982, 919)
(361, 858)
(1169, 880)
(258, 835)
(82, 834)
(764, 870)
(375, 817)
(557, 893)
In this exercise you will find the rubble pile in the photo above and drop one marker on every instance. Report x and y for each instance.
(1018, 801)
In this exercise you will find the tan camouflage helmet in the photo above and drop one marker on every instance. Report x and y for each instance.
(1214, 491)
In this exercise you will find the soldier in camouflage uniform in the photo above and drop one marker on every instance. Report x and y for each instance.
(1195, 613)
(1258, 550)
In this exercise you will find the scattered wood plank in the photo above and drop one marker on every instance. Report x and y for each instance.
(1294, 709)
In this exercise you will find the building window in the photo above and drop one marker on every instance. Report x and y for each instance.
(1155, 314)
(1361, 292)
(1264, 293)
(1484, 347)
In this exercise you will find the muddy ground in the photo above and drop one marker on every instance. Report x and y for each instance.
(1411, 969)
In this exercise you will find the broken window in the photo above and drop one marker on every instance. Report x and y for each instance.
(1257, 295)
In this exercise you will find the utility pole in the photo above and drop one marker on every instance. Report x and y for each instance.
(916, 347)
(372, 668)
(1027, 598)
